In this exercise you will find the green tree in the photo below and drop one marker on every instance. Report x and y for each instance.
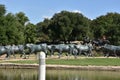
(66, 26)
(2, 10)
(43, 31)
(22, 22)
(22, 18)
(107, 25)
(61, 28)
(3, 37)
(30, 33)
(14, 35)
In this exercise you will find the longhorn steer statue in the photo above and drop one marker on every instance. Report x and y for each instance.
(60, 48)
(34, 48)
(85, 49)
(111, 50)
(5, 50)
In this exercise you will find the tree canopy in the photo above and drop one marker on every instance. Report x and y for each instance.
(107, 25)
(12, 27)
(64, 26)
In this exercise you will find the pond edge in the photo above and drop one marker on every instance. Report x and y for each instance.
(49, 66)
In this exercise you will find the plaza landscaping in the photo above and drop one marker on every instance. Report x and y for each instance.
(83, 61)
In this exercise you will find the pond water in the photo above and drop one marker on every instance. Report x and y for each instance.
(32, 74)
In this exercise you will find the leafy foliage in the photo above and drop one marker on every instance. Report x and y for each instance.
(63, 26)
(12, 27)
(107, 25)
(30, 33)
(66, 26)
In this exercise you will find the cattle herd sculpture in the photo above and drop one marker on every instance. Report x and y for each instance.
(70, 49)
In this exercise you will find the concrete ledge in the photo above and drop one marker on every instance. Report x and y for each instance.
(35, 66)
(99, 68)
(17, 66)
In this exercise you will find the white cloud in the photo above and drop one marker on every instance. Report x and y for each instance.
(48, 17)
(76, 11)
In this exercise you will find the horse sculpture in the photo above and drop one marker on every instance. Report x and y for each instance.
(97, 43)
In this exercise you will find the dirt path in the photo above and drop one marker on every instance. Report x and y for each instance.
(33, 57)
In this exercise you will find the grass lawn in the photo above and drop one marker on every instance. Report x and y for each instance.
(87, 61)
(78, 62)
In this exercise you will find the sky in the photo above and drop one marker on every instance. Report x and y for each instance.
(37, 10)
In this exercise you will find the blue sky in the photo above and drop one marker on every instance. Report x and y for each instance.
(37, 10)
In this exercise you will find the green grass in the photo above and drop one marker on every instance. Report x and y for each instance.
(77, 62)
(87, 61)
(25, 62)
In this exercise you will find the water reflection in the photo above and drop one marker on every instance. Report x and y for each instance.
(82, 75)
(32, 74)
(18, 74)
